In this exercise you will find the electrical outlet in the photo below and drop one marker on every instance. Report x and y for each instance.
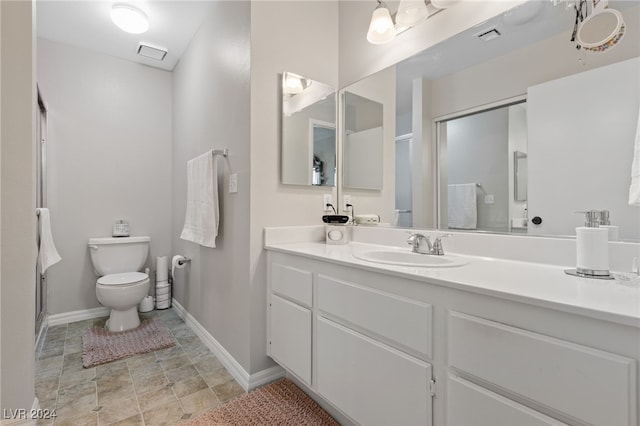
(327, 199)
(346, 199)
(233, 183)
(488, 199)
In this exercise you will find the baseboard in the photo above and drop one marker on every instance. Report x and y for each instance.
(22, 417)
(84, 314)
(246, 380)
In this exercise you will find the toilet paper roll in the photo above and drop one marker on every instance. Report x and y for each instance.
(162, 291)
(592, 246)
(175, 265)
(162, 268)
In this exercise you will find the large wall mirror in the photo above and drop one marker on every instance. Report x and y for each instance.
(308, 132)
(521, 126)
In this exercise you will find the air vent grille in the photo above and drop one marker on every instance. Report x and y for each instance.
(151, 52)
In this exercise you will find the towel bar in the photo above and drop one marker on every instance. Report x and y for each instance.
(223, 152)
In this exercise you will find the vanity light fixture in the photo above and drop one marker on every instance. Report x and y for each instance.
(294, 84)
(381, 28)
(410, 12)
(129, 18)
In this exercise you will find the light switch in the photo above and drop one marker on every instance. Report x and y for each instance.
(233, 183)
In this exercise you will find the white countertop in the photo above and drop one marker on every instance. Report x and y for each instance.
(533, 283)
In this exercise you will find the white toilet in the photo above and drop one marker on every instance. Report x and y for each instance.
(120, 287)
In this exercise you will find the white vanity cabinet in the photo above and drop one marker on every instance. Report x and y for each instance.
(385, 348)
(290, 300)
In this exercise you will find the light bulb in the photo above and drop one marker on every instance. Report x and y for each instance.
(410, 12)
(381, 28)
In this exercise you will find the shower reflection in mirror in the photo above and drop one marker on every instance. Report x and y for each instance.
(478, 148)
(308, 139)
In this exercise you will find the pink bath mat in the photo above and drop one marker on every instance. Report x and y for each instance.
(100, 345)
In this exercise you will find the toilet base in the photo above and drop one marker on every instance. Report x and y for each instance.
(123, 320)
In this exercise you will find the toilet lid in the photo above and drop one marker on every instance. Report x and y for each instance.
(125, 278)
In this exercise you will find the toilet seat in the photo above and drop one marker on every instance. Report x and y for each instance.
(123, 279)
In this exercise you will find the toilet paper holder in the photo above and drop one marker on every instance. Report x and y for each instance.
(183, 261)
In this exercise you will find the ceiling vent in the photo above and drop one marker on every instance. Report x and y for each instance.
(151, 52)
(488, 35)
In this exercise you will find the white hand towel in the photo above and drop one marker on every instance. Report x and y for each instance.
(47, 254)
(634, 188)
(462, 206)
(202, 217)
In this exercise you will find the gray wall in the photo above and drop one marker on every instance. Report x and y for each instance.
(211, 109)
(109, 127)
(17, 205)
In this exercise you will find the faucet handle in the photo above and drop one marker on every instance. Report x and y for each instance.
(437, 244)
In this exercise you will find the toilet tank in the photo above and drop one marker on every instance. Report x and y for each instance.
(112, 255)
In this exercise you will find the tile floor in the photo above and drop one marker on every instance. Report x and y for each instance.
(158, 388)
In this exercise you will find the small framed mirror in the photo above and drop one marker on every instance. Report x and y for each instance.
(308, 132)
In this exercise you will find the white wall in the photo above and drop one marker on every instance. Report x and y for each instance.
(109, 127)
(17, 204)
(211, 110)
(306, 45)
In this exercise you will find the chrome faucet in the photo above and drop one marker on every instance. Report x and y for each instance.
(422, 244)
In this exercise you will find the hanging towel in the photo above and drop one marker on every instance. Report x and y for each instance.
(47, 253)
(202, 217)
(463, 211)
(634, 189)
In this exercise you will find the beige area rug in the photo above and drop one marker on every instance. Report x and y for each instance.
(279, 403)
(100, 345)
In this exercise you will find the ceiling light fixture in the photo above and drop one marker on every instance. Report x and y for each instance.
(381, 28)
(129, 19)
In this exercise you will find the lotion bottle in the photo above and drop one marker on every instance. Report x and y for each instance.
(592, 247)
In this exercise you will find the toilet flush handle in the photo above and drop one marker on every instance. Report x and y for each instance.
(93, 246)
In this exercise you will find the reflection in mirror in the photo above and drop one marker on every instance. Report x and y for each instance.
(308, 132)
(363, 119)
(519, 176)
(475, 172)
(573, 162)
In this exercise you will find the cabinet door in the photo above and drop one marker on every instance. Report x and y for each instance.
(472, 405)
(290, 337)
(370, 382)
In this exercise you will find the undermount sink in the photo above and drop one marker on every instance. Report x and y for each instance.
(407, 258)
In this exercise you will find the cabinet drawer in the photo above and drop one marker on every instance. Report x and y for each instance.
(398, 320)
(292, 283)
(290, 337)
(587, 384)
(371, 382)
(472, 405)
